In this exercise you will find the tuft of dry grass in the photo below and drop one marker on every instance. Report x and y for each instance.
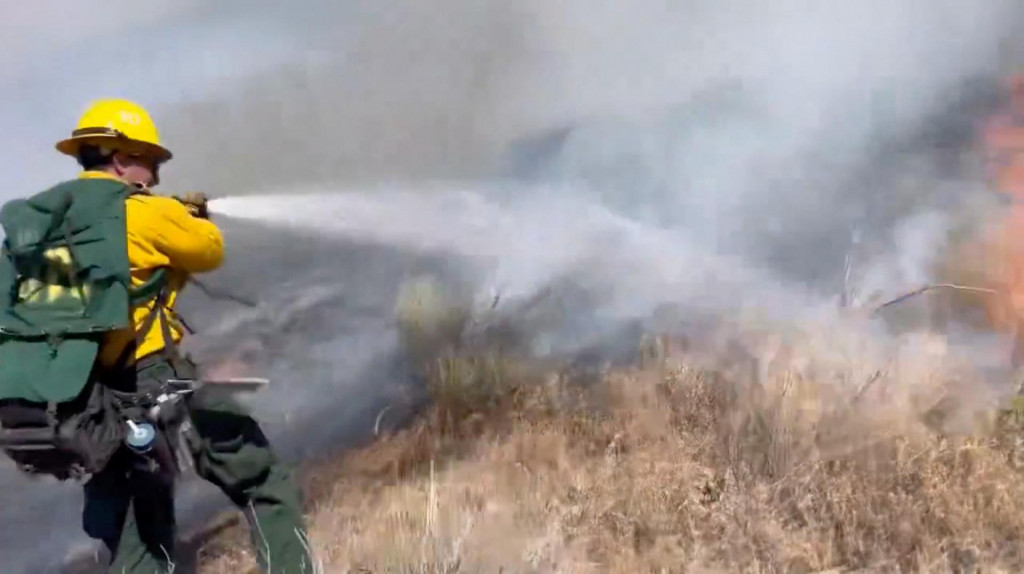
(793, 465)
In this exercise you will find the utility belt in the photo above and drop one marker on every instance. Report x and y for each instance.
(69, 440)
(116, 409)
(155, 415)
(78, 438)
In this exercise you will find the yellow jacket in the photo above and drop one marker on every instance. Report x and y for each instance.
(161, 233)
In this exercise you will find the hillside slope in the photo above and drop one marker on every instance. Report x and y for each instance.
(673, 468)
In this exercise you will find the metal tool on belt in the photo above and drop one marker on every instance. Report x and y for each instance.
(160, 434)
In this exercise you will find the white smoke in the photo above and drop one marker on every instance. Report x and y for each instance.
(718, 155)
(596, 270)
(767, 130)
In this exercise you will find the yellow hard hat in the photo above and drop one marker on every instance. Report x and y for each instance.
(116, 124)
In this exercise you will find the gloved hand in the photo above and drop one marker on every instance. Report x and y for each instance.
(196, 202)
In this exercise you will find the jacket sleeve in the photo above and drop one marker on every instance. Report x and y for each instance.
(191, 244)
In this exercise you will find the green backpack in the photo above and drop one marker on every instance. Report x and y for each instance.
(64, 283)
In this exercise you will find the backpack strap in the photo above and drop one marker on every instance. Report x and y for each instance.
(150, 289)
(170, 350)
(155, 289)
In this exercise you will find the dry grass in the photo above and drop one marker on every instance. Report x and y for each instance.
(671, 468)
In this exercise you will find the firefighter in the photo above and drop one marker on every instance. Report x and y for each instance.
(133, 514)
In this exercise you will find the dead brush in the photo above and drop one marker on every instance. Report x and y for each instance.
(462, 389)
(812, 452)
(863, 472)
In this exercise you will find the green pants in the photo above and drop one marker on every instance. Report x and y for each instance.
(132, 511)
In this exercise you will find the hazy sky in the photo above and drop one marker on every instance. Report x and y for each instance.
(411, 83)
(57, 55)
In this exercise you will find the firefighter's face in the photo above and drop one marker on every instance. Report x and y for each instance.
(138, 169)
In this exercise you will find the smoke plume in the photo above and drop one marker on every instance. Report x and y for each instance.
(819, 149)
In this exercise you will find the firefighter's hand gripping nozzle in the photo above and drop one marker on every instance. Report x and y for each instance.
(196, 202)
